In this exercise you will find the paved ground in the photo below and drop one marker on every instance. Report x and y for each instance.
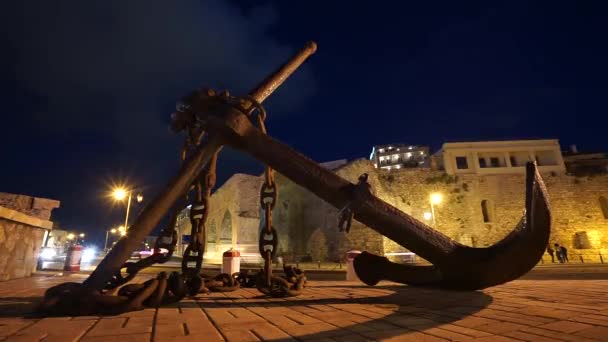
(527, 310)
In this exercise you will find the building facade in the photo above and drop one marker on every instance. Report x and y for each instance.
(585, 163)
(399, 156)
(478, 208)
(500, 157)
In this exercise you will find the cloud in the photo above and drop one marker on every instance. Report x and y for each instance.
(118, 67)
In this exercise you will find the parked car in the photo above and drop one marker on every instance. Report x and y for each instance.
(146, 253)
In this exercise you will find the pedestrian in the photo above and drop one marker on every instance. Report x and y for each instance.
(564, 252)
(551, 252)
(558, 252)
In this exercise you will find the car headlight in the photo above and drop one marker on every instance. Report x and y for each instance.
(47, 253)
(88, 255)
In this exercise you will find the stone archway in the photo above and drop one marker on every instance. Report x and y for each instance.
(225, 235)
(211, 232)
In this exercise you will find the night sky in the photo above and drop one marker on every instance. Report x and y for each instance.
(87, 88)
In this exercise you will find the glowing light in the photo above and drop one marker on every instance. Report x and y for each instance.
(119, 194)
(436, 198)
(71, 236)
(123, 233)
(122, 229)
(81, 235)
(140, 198)
(48, 253)
(427, 216)
(113, 230)
(88, 255)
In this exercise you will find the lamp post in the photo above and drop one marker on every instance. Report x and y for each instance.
(105, 245)
(119, 194)
(435, 198)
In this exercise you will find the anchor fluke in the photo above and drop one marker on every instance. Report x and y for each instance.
(469, 268)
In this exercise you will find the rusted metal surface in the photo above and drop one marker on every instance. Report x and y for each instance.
(271, 83)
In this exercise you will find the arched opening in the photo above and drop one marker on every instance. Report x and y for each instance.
(487, 210)
(226, 230)
(212, 233)
(604, 206)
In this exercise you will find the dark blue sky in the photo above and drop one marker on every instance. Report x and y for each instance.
(87, 88)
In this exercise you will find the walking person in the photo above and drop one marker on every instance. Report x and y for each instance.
(551, 252)
(564, 252)
(558, 252)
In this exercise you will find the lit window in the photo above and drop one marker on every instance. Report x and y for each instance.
(604, 206)
(409, 154)
(381, 150)
(397, 149)
(409, 148)
(398, 166)
(395, 156)
(421, 153)
(376, 165)
(487, 210)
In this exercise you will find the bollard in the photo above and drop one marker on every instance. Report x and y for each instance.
(350, 268)
(231, 261)
(72, 259)
(581, 257)
(319, 264)
(601, 258)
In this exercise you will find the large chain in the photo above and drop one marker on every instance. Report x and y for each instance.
(199, 213)
(268, 198)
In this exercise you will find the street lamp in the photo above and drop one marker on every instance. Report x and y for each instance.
(436, 198)
(121, 193)
(427, 215)
(113, 231)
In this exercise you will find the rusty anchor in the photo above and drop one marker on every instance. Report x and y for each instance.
(455, 266)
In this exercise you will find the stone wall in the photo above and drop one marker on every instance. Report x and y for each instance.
(303, 220)
(23, 223)
(32, 206)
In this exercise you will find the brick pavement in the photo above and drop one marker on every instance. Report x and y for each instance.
(523, 310)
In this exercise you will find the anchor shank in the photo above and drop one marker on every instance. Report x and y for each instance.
(272, 82)
(152, 214)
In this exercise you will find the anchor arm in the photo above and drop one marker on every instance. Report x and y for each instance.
(455, 265)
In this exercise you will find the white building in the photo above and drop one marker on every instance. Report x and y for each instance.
(398, 156)
(500, 157)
